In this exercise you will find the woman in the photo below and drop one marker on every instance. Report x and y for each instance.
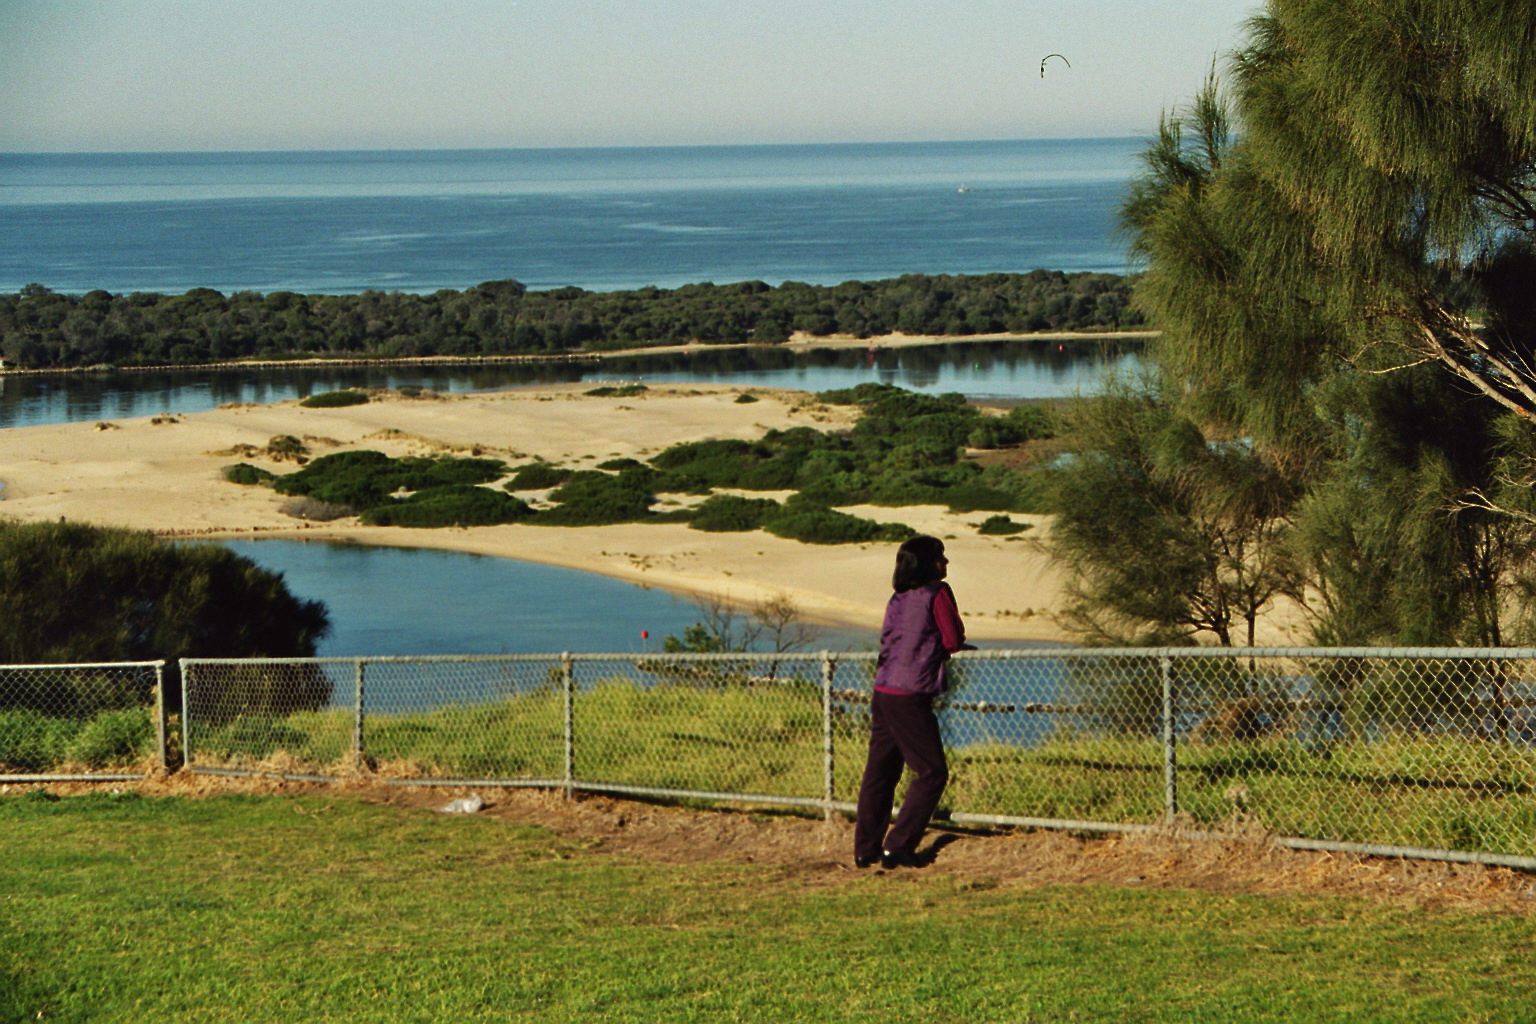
(922, 629)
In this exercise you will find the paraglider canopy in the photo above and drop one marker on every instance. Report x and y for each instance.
(1048, 57)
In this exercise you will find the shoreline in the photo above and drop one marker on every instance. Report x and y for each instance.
(814, 607)
(798, 342)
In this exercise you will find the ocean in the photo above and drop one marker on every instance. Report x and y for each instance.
(601, 219)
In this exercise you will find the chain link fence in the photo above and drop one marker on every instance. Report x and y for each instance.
(81, 722)
(1422, 752)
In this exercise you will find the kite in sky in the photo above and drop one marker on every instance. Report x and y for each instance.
(1048, 57)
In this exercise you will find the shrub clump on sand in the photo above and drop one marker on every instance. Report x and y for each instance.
(728, 513)
(362, 480)
(335, 399)
(618, 391)
(450, 505)
(813, 523)
(247, 474)
(996, 526)
(593, 498)
(538, 476)
(287, 448)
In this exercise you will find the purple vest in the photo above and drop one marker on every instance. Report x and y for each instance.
(912, 653)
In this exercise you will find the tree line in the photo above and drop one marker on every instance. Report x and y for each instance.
(42, 328)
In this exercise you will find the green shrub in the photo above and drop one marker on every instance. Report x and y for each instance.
(615, 465)
(447, 470)
(771, 464)
(1021, 423)
(411, 390)
(992, 433)
(592, 498)
(450, 505)
(838, 489)
(114, 738)
(245, 473)
(816, 524)
(334, 399)
(363, 480)
(538, 476)
(621, 391)
(860, 394)
(745, 398)
(286, 446)
(728, 513)
(1033, 422)
(1001, 525)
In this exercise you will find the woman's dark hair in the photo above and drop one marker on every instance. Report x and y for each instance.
(917, 563)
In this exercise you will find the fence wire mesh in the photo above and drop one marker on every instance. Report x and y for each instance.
(1430, 750)
(80, 721)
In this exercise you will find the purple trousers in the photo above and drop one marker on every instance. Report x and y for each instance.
(904, 732)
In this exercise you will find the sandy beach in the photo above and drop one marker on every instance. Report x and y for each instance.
(164, 474)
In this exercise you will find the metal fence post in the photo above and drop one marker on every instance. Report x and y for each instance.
(357, 730)
(1170, 757)
(160, 715)
(568, 685)
(186, 717)
(828, 764)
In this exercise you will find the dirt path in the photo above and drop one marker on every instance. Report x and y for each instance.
(819, 852)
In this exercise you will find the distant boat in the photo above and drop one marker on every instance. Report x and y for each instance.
(962, 188)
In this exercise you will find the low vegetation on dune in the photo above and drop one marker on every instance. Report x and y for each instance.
(905, 449)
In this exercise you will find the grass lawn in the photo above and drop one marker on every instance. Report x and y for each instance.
(278, 908)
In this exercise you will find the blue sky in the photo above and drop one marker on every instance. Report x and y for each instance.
(94, 75)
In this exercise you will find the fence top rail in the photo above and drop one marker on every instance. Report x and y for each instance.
(1473, 653)
(1004, 654)
(84, 664)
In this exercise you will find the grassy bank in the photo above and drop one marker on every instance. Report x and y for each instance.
(278, 909)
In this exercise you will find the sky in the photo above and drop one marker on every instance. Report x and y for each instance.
(176, 75)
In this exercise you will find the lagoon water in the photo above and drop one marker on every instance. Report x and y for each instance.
(401, 601)
(598, 219)
(984, 371)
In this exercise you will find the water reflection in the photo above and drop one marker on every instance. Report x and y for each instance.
(1004, 370)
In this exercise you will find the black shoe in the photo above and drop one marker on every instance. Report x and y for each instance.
(863, 862)
(890, 859)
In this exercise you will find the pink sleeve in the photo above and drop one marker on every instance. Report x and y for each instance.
(947, 617)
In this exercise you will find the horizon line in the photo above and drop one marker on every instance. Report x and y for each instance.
(557, 148)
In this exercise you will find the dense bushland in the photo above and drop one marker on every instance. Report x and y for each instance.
(40, 328)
